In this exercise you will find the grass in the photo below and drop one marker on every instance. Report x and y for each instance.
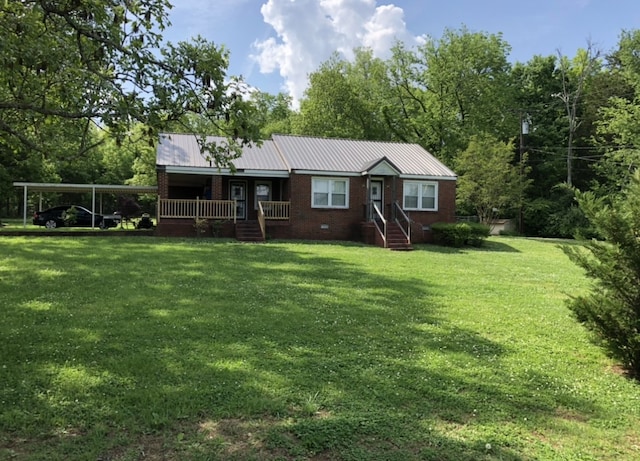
(14, 226)
(128, 348)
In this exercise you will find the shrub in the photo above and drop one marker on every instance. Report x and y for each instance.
(201, 226)
(460, 234)
(612, 308)
(70, 216)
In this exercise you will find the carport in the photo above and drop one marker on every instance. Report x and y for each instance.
(95, 189)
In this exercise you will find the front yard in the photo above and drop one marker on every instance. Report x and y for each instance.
(130, 348)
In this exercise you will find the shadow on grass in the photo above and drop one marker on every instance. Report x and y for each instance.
(487, 246)
(109, 343)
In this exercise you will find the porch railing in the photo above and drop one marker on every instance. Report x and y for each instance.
(261, 221)
(275, 211)
(403, 221)
(197, 209)
(380, 222)
(218, 209)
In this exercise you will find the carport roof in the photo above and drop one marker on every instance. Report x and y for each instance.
(99, 188)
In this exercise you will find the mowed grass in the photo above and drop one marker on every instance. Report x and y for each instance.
(131, 349)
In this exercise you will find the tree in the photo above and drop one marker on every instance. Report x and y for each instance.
(347, 99)
(452, 88)
(275, 113)
(489, 182)
(575, 76)
(612, 307)
(69, 65)
(618, 128)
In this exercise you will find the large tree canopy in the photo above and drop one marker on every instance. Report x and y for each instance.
(66, 65)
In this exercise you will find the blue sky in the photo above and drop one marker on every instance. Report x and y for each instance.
(275, 44)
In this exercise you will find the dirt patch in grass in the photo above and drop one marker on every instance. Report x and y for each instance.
(570, 414)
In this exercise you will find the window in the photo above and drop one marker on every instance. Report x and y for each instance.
(263, 192)
(329, 193)
(421, 195)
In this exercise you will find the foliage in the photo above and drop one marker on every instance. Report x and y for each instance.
(275, 113)
(557, 216)
(452, 88)
(68, 67)
(612, 308)
(137, 348)
(201, 226)
(488, 180)
(70, 216)
(618, 128)
(535, 82)
(576, 75)
(460, 234)
(347, 99)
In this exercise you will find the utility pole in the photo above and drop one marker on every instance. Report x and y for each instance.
(524, 129)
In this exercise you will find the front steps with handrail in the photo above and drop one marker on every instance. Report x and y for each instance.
(396, 240)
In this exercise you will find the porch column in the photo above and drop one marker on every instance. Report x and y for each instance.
(216, 187)
(368, 211)
(395, 197)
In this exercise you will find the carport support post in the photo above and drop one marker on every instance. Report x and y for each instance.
(24, 206)
(93, 207)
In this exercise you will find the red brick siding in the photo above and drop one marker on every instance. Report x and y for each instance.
(422, 220)
(307, 222)
(163, 184)
(175, 227)
(216, 190)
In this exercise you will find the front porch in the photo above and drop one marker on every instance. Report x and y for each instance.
(178, 217)
(225, 218)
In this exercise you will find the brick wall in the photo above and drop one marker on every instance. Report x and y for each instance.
(422, 220)
(216, 192)
(325, 224)
(163, 184)
(328, 224)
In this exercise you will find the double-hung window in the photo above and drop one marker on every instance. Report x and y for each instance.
(329, 193)
(420, 195)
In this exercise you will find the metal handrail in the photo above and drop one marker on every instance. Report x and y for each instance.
(383, 232)
(406, 233)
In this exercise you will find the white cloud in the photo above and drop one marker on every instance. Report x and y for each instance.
(309, 31)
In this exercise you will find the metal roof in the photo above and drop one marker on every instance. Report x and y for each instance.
(287, 153)
(183, 150)
(99, 188)
(355, 156)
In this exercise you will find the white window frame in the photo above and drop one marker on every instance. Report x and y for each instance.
(421, 185)
(331, 181)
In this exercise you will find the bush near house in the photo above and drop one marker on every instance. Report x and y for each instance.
(460, 234)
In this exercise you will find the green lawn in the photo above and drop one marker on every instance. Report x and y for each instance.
(147, 348)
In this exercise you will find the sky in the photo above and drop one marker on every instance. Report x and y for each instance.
(276, 44)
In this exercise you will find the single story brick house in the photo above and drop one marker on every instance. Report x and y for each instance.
(299, 187)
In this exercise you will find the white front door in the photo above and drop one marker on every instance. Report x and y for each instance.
(238, 192)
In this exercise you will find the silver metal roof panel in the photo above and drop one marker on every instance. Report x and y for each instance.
(183, 150)
(345, 155)
(302, 153)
